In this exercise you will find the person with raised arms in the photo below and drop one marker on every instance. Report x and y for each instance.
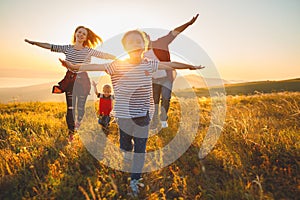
(80, 51)
(134, 106)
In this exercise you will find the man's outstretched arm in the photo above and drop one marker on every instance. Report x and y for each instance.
(181, 28)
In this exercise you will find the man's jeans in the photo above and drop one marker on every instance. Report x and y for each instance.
(162, 87)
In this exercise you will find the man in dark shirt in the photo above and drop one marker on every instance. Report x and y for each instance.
(163, 79)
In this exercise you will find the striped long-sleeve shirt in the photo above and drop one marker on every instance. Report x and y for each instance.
(78, 56)
(133, 88)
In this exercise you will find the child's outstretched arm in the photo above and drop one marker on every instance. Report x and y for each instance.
(109, 56)
(178, 65)
(95, 88)
(39, 44)
(83, 67)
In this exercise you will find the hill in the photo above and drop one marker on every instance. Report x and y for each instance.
(248, 88)
(183, 85)
(195, 81)
(292, 85)
(41, 92)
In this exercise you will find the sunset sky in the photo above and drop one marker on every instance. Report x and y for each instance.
(246, 39)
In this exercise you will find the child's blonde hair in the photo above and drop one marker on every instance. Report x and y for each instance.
(107, 88)
(141, 33)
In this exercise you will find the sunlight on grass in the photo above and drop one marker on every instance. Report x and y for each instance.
(256, 156)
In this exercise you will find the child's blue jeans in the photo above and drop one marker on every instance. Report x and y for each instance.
(133, 136)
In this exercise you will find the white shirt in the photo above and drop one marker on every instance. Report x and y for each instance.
(159, 73)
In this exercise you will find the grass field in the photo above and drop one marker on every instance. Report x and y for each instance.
(256, 157)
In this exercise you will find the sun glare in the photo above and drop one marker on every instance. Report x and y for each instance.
(123, 57)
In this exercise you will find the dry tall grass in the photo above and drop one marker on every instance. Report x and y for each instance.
(256, 157)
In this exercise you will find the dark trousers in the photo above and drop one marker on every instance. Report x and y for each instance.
(74, 102)
(104, 120)
(134, 136)
(162, 88)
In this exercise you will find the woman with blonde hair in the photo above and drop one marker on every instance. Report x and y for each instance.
(76, 84)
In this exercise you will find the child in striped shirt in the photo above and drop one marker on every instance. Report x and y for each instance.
(134, 107)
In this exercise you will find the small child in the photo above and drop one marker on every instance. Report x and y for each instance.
(105, 105)
(132, 83)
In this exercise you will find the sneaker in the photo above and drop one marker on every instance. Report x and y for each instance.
(113, 121)
(164, 124)
(134, 185)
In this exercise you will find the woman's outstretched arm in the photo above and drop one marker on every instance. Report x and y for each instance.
(39, 44)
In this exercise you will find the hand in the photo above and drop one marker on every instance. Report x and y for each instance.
(94, 83)
(194, 19)
(63, 63)
(30, 42)
(68, 64)
(197, 67)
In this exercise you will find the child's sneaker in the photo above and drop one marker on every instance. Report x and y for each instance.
(134, 185)
(164, 124)
(113, 121)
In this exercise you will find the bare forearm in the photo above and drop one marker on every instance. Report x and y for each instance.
(181, 28)
(184, 26)
(109, 56)
(90, 67)
(174, 65)
(43, 45)
(96, 91)
(39, 44)
(83, 67)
